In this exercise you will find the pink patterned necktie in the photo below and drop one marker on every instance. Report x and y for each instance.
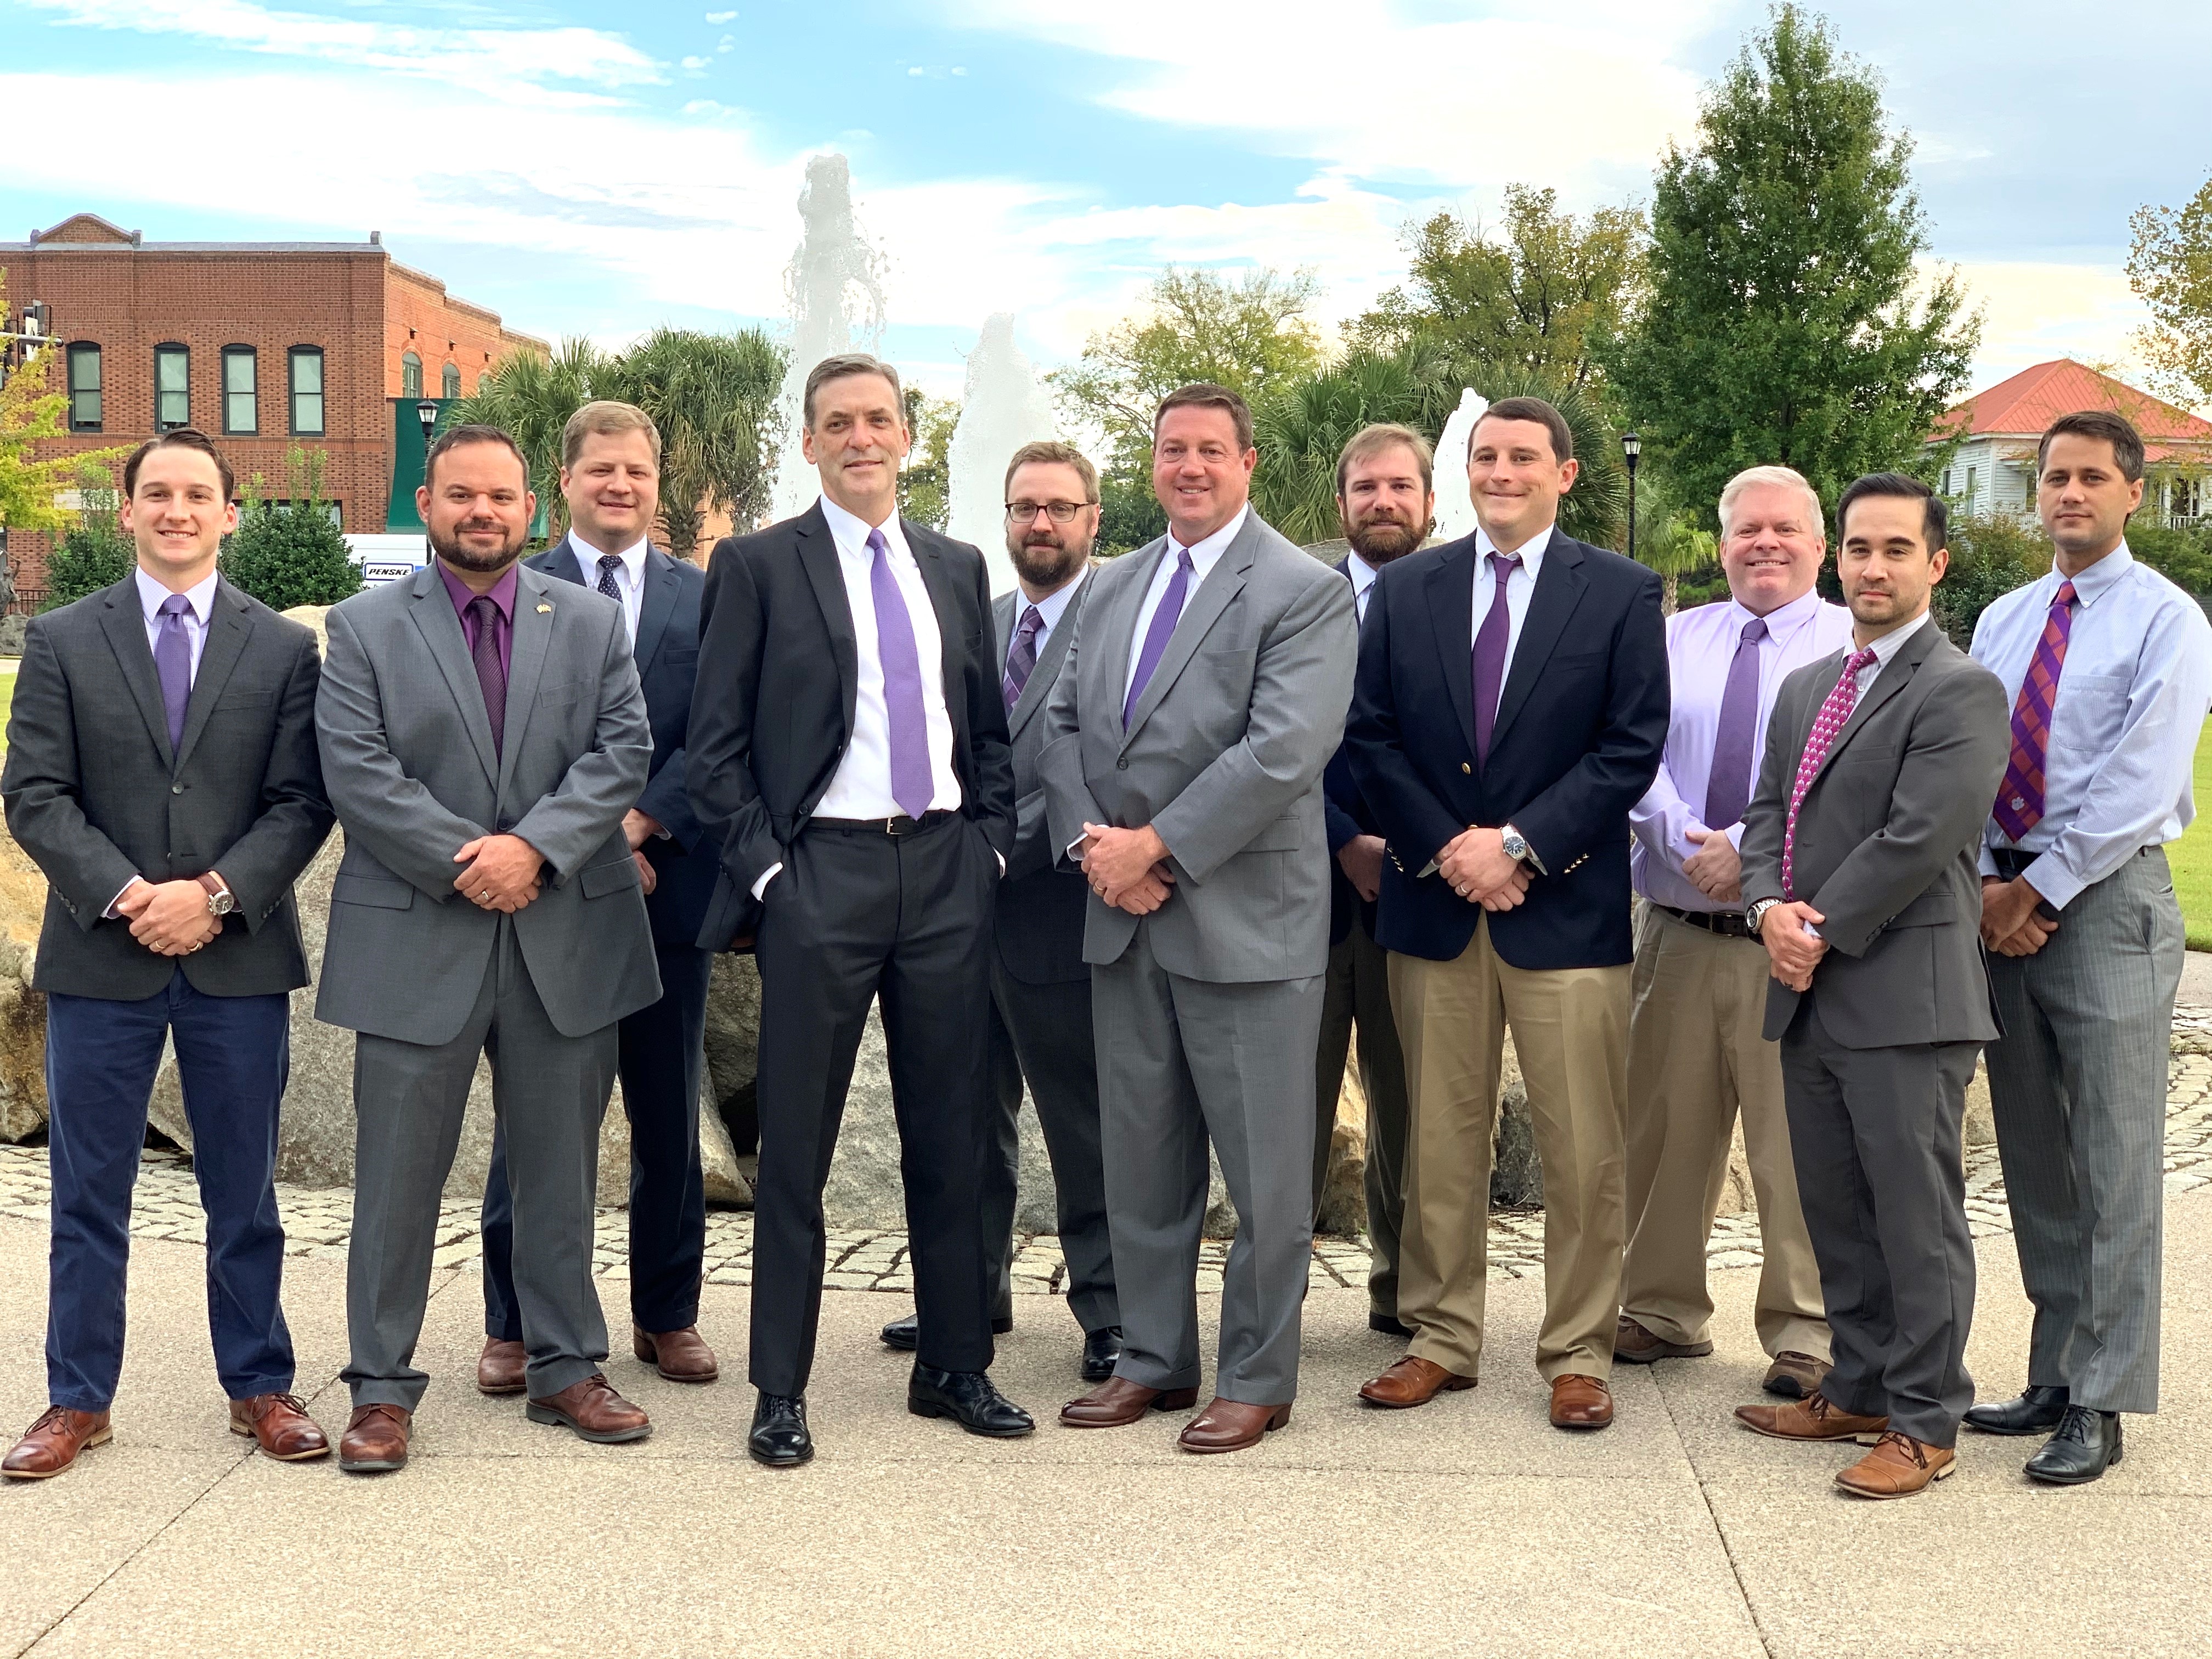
(2020, 798)
(1833, 714)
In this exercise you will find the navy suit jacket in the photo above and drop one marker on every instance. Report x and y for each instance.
(667, 655)
(1581, 724)
(1344, 810)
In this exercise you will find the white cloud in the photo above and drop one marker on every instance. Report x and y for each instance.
(721, 17)
(697, 62)
(727, 43)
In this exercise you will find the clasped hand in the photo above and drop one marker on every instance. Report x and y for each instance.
(1791, 952)
(503, 873)
(1716, 869)
(1481, 872)
(1127, 868)
(169, 918)
(2010, 925)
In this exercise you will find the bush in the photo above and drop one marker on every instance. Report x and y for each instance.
(2184, 557)
(94, 554)
(1989, 557)
(291, 554)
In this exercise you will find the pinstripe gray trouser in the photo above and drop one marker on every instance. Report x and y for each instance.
(2078, 1084)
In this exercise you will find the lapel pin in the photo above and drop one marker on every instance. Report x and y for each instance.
(544, 610)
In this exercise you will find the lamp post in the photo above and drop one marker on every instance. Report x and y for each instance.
(426, 412)
(1632, 446)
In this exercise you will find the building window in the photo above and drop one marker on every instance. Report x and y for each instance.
(410, 376)
(1970, 483)
(308, 391)
(84, 388)
(241, 413)
(1947, 481)
(452, 378)
(173, 387)
(482, 380)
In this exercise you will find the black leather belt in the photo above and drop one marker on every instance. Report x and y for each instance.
(898, 826)
(1728, 924)
(2011, 862)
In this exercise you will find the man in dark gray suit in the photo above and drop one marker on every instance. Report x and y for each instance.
(1183, 750)
(1859, 878)
(482, 734)
(1040, 985)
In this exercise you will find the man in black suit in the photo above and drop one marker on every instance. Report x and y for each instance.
(162, 772)
(611, 479)
(1040, 984)
(1502, 776)
(1387, 503)
(848, 750)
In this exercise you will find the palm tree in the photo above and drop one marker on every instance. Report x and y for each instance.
(715, 398)
(531, 398)
(1302, 428)
(1668, 539)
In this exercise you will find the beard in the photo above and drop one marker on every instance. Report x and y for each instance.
(464, 558)
(1380, 538)
(1046, 560)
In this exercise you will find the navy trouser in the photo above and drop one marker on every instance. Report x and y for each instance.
(233, 1054)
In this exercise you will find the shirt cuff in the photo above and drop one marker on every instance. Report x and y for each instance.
(111, 913)
(2051, 879)
(1734, 832)
(1988, 861)
(767, 876)
(1001, 858)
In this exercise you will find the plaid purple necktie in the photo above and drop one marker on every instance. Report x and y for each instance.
(2019, 797)
(1833, 715)
(1021, 657)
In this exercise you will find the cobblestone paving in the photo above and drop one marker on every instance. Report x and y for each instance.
(317, 1221)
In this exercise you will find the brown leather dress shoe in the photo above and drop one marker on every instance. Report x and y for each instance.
(1580, 1402)
(501, 1366)
(1412, 1382)
(1794, 1376)
(375, 1439)
(679, 1356)
(1816, 1418)
(51, 1444)
(1117, 1402)
(594, 1410)
(1898, 1466)
(1639, 1345)
(280, 1426)
(1230, 1425)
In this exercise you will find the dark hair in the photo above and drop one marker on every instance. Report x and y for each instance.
(1935, 516)
(182, 437)
(843, 366)
(2115, 429)
(1371, 440)
(471, 433)
(1204, 394)
(1528, 408)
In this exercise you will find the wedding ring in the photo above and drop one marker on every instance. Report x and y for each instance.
(486, 893)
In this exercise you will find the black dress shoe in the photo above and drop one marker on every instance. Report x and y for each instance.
(780, 1437)
(1102, 1352)
(2086, 1444)
(2039, 1410)
(1385, 1325)
(969, 1399)
(905, 1334)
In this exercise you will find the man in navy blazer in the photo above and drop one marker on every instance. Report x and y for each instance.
(611, 478)
(1510, 707)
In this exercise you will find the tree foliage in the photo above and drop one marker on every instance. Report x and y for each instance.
(925, 482)
(1989, 557)
(2170, 268)
(290, 553)
(95, 553)
(1782, 326)
(1301, 428)
(31, 414)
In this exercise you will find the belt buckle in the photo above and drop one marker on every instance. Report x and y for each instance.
(891, 827)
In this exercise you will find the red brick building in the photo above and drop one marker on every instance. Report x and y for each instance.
(262, 345)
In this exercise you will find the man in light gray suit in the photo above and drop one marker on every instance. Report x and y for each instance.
(483, 733)
(1183, 750)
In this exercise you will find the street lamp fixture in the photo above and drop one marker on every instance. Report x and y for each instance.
(1632, 446)
(426, 412)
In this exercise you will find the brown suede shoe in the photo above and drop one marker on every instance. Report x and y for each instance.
(375, 1439)
(500, 1367)
(1794, 1376)
(1898, 1466)
(1817, 1418)
(280, 1426)
(1117, 1402)
(1229, 1426)
(51, 1444)
(1412, 1382)
(679, 1356)
(1639, 1345)
(594, 1410)
(1580, 1402)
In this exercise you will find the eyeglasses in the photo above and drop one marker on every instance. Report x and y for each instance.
(1061, 512)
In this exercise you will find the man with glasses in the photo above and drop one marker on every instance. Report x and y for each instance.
(1040, 986)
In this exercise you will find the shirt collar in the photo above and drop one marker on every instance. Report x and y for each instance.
(850, 532)
(1204, 554)
(1363, 574)
(588, 559)
(1782, 621)
(501, 594)
(1886, 647)
(2099, 578)
(1051, 608)
(200, 596)
(1530, 553)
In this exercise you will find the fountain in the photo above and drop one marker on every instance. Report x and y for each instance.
(1454, 508)
(834, 283)
(1003, 407)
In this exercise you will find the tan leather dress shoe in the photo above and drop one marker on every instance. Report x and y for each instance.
(1639, 1345)
(501, 1366)
(1229, 1426)
(280, 1426)
(51, 1444)
(1412, 1382)
(1898, 1466)
(679, 1356)
(1117, 1402)
(594, 1410)
(1794, 1376)
(375, 1439)
(1580, 1402)
(1817, 1418)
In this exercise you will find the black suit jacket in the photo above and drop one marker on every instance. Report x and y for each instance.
(95, 794)
(1039, 921)
(1344, 811)
(1582, 721)
(772, 712)
(667, 655)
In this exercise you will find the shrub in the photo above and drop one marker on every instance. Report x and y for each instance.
(1989, 557)
(94, 554)
(291, 553)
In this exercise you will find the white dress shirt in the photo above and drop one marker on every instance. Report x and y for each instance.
(200, 596)
(1049, 609)
(1520, 586)
(1204, 557)
(630, 574)
(1701, 646)
(1363, 583)
(1885, 650)
(2132, 696)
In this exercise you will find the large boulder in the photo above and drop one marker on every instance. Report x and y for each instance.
(22, 1011)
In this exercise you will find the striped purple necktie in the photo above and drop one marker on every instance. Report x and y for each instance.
(2019, 797)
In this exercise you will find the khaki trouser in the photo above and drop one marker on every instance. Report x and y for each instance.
(1695, 1060)
(1571, 1031)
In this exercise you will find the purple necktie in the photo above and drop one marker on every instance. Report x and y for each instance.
(1490, 642)
(2020, 799)
(1727, 786)
(1158, 635)
(911, 785)
(491, 673)
(173, 661)
(1021, 660)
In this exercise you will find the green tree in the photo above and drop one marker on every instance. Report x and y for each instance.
(95, 554)
(291, 553)
(1667, 537)
(1989, 557)
(715, 398)
(1301, 427)
(530, 398)
(2170, 268)
(926, 480)
(1782, 324)
(32, 489)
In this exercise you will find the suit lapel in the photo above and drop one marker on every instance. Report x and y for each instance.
(1559, 586)
(1895, 675)
(124, 622)
(656, 604)
(440, 626)
(535, 603)
(1449, 591)
(1200, 612)
(229, 626)
(1048, 660)
(817, 556)
(952, 629)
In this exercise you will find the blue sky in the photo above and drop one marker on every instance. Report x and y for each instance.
(598, 168)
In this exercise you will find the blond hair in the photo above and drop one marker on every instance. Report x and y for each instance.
(606, 418)
(1784, 477)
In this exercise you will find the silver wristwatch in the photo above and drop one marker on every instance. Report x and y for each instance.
(1517, 848)
(1757, 914)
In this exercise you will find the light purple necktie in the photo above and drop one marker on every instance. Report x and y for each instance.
(1021, 657)
(1728, 785)
(172, 661)
(1490, 642)
(1158, 635)
(911, 785)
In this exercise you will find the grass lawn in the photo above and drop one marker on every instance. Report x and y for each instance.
(2192, 856)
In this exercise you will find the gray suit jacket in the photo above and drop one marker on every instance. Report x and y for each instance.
(1039, 918)
(1886, 840)
(1222, 755)
(410, 765)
